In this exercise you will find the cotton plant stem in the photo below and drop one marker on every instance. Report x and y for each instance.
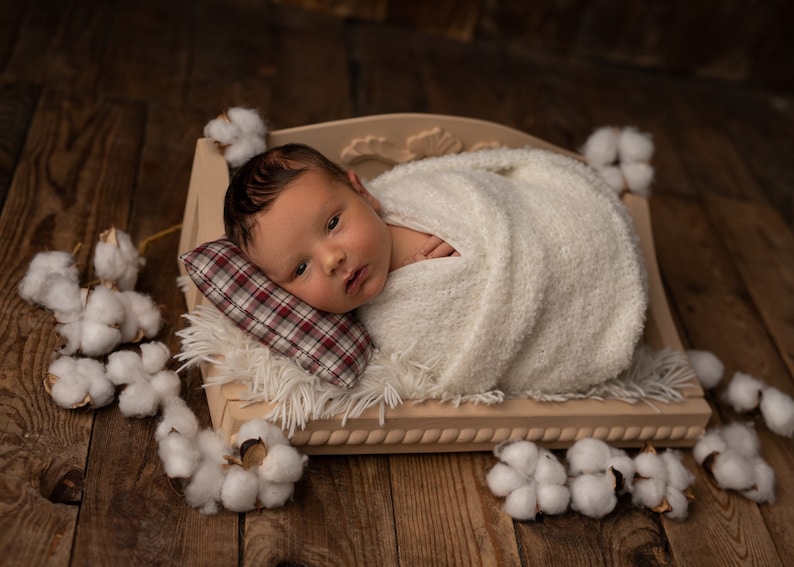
(143, 244)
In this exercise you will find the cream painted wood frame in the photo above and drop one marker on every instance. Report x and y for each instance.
(371, 145)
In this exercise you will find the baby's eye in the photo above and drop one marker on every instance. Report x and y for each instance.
(333, 222)
(301, 269)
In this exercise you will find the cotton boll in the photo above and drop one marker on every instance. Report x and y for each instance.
(613, 177)
(503, 479)
(588, 455)
(247, 120)
(638, 177)
(275, 495)
(240, 490)
(167, 384)
(283, 463)
(179, 455)
(139, 400)
(103, 306)
(743, 392)
(549, 469)
(763, 489)
(72, 334)
(43, 265)
(624, 465)
(177, 417)
(154, 356)
(69, 390)
(259, 428)
(650, 465)
(97, 339)
(648, 492)
(678, 503)
(142, 316)
(204, 489)
(101, 390)
(125, 367)
(634, 146)
(778, 411)
(520, 455)
(678, 476)
(601, 147)
(742, 438)
(522, 504)
(593, 495)
(244, 149)
(553, 499)
(61, 295)
(212, 446)
(221, 130)
(733, 471)
(116, 259)
(711, 442)
(708, 368)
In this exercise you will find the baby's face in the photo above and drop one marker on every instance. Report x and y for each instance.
(324, 242)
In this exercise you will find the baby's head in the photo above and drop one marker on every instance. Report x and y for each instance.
(311, 227)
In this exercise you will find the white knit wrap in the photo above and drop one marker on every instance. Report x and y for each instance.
(549, 294)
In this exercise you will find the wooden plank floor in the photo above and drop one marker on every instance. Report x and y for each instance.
(100, 103)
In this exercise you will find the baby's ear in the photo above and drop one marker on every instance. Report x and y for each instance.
(355, 182)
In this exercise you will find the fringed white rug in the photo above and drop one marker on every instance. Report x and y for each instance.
(389, 380)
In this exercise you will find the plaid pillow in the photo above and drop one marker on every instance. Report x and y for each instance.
(333, 347)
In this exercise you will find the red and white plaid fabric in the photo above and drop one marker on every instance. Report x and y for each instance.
(333, 347)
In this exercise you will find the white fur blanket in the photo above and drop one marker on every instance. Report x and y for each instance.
(549, 294)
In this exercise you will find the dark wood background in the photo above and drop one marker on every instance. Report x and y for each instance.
(100, 105)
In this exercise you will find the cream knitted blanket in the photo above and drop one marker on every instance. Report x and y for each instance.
(549, 294)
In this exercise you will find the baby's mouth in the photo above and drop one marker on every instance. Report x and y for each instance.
(355, 281)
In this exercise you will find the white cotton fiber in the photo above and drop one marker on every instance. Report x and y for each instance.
(588, 455)
(625, 466)
(613, 177)
(778, 411)
(124, 367)
(247, 120)
(743, 392)
(708, 368)
(240, 490)
(650, 465)
(242, 133)
(70, 389)
(101, 390)
(678, 476)
(241, 151)
(118, 262)
(259, 428)
(521, 504)
(177, 417)
(154, 356)
(519, 455)
(167, 384)
(43, 265)
(98, 339)
(549, 470)
(733, 471)
(103, 306)
(141, 315)
(553, 499)
(503, 479)
(204, 489)
(139, 400)
(275, 495)
(638, 177)
(212, 446)
(634, 146)
(742, 438)
(711, 442)
(593, 495)
(178, 455)
(763, 489)
(648, 492)
(678, 502)
(601, 147)
(283, 463)
(62, 296)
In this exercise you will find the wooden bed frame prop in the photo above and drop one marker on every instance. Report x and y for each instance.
(371, 145)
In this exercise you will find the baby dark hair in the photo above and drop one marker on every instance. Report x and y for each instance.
(262, 178)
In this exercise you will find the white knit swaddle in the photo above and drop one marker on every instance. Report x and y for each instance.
(549, 293)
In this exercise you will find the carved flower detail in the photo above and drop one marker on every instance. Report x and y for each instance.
(435, 142)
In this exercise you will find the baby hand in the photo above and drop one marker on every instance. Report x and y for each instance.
(434, 247)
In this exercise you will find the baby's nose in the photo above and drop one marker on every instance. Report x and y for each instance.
(333, 258)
